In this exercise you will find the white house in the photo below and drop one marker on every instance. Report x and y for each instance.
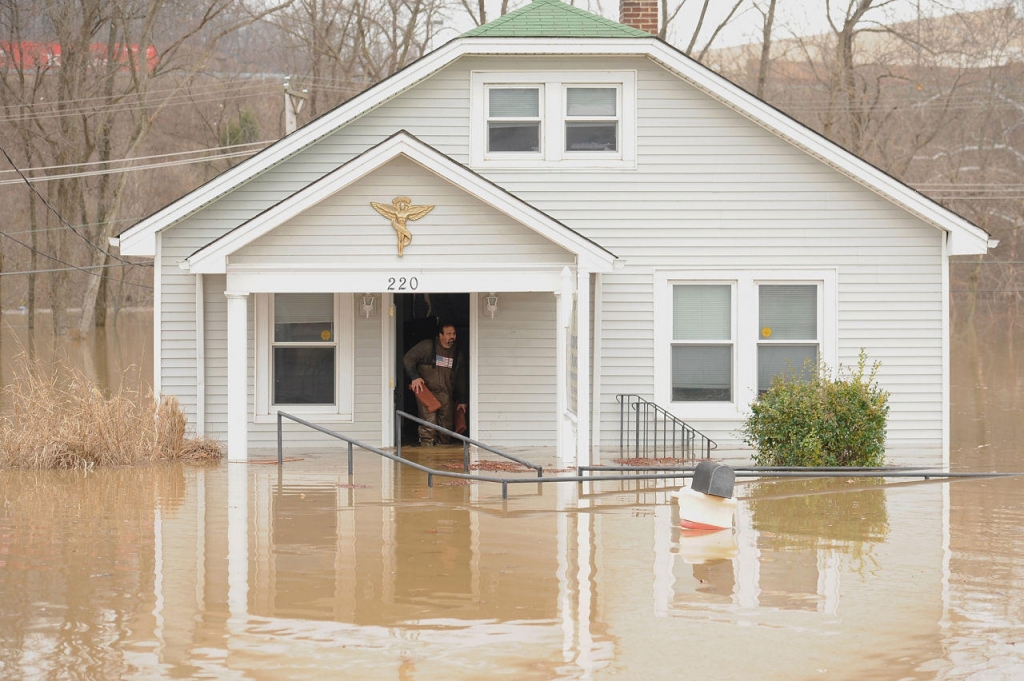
(584, 175)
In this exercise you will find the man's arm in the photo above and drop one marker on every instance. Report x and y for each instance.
(418, 354)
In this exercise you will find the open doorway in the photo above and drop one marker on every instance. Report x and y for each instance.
(416, 318)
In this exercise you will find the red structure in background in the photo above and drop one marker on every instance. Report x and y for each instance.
(30, 55)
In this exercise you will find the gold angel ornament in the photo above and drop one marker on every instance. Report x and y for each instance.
(399, 213)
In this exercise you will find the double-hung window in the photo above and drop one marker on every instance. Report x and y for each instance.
(702, 342)
(513, 119)
(592, 119)
(565, 119)
(787, 335)
(724, 335)
(303, 354)
(304, 349)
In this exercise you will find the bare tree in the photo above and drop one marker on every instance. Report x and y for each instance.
(111, 68)
(766, 47)
(690, 35)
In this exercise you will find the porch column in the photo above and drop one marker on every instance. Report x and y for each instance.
(583, 454)
(238, 351)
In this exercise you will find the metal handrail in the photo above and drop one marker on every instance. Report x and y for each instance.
(638, 431)
(431, 472)
(466, 442)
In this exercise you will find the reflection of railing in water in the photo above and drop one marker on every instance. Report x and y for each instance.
(647, 430)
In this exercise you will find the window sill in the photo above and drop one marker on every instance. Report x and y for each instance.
(318, 417)
(542, 164)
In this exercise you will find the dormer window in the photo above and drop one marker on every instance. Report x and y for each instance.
(566, 119)
(591, 119)
(513, 119)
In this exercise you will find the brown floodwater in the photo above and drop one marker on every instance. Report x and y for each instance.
(251, 572)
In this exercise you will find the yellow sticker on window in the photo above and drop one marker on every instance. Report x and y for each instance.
(325, 335)
(766, 332)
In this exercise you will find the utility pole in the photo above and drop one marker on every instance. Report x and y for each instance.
(293, 102)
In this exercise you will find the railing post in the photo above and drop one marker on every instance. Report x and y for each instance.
(350, 459)
(465, 456)
(398, 434)
(623, 422)
(636, 408)
(280, 444)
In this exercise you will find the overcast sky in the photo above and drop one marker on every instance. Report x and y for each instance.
(793, 17)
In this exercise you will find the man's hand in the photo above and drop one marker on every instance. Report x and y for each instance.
(462, 408)
(418, 386)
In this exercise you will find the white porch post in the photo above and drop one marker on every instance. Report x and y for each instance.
(238, 350)
(583, 454)
(566, 442)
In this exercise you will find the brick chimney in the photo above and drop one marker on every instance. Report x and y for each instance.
(641, 14)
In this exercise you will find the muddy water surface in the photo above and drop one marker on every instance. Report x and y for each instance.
(245, 571)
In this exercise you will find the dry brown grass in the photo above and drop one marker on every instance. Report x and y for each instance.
(60, 419)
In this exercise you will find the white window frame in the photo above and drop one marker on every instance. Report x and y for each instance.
(553, 86)
(344, 364)
(745, 314)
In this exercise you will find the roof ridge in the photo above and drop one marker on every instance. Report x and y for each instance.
(554, 19)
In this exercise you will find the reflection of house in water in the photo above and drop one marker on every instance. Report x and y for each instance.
(598, 580)
(321, 555)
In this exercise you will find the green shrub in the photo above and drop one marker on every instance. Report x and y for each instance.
(813, 419)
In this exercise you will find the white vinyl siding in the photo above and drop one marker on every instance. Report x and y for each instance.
(710, 189)
(516, 364)
(215, 316)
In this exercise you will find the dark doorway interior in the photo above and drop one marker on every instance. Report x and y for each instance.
(416, 317)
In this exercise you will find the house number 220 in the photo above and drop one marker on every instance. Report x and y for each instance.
(403, 284)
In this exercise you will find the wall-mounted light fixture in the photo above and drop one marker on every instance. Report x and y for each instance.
(492, 305)
(369, 302)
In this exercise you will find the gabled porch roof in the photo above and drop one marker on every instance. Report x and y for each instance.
(213, 258)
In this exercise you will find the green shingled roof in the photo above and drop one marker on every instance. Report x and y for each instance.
(554, 19)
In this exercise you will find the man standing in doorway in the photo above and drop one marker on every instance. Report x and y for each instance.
(436, 366)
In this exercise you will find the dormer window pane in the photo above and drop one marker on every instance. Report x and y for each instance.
(514, 103)
(590, 101)
(591, 136)
(513, 136)
(513, 119)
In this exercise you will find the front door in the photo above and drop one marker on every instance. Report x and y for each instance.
(416, 318)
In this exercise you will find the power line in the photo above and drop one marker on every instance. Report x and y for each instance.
(40, 169)
(73, 267)
(115, 171)
(65, 269)
(65, 222)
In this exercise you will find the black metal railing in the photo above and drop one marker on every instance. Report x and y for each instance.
(647, 431)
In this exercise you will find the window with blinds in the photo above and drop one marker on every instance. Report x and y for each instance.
(513, 119)
(304, 349)
(591, 119)
(702, 343)
(788, 336)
